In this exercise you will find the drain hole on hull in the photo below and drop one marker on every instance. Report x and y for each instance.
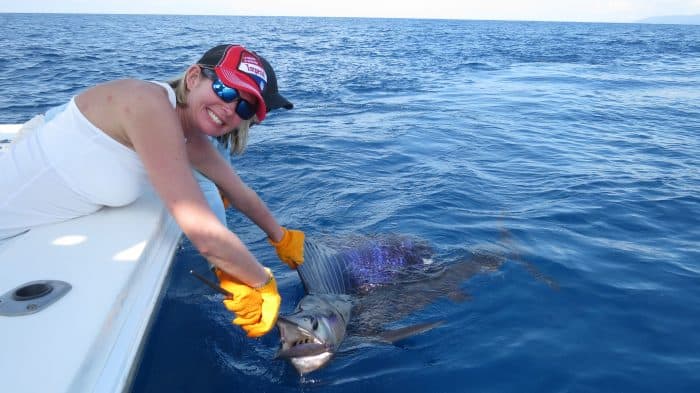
(32, 291)
(32, 297)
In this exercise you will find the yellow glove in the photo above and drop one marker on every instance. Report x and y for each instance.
(290, 249)
(256, 309)
(269, 310)
(245, 302)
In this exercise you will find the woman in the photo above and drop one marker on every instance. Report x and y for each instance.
(138, 131)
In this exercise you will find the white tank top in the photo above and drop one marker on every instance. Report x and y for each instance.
(64, 169)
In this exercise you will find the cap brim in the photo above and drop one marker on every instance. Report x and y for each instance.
(231, 79)
(276, 101)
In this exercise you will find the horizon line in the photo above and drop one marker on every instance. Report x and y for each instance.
(640, 21)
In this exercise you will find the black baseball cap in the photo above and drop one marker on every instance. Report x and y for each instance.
(271, 95)
(239, 67)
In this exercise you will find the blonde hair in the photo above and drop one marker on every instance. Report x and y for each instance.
(235, 140)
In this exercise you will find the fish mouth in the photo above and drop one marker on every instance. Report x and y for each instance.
(297, 341)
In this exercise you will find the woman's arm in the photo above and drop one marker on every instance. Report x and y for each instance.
(208, 161)
(154, 131)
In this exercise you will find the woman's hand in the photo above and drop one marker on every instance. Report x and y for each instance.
(290, 249)
(268, 310)
(256, 309)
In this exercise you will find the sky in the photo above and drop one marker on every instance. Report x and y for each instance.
(540, 10)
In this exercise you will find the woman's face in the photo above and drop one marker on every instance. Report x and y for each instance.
(212, 115)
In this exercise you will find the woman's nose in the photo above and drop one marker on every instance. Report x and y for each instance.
(230, 108)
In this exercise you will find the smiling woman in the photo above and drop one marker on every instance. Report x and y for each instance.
(110, 141)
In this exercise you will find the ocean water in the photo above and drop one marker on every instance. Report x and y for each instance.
(573, 147)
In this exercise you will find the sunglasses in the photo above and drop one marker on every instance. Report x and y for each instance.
(244, 109)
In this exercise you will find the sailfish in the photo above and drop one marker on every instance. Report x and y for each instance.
(364, 283)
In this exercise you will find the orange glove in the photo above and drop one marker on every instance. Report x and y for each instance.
(225, 200)
(290, 249)
(256, 309)
(245, 301)
(269, 310)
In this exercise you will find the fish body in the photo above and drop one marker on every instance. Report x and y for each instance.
(361, 283)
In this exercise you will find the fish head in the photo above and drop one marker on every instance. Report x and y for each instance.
(310, 336)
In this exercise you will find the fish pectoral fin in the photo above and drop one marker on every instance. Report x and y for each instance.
(392, 336)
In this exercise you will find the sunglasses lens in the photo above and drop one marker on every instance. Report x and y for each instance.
(245, 109)
(224, 92)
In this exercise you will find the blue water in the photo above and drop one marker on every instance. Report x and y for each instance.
(578, 141)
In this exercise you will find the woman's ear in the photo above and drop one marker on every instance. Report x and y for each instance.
(192, 76)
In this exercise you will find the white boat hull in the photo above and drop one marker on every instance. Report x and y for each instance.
(116, 262)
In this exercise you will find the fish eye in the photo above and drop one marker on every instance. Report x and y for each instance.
(314, 324)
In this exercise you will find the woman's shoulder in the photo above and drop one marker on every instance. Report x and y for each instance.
(125, 93)
(134, 87)
(118, 106)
